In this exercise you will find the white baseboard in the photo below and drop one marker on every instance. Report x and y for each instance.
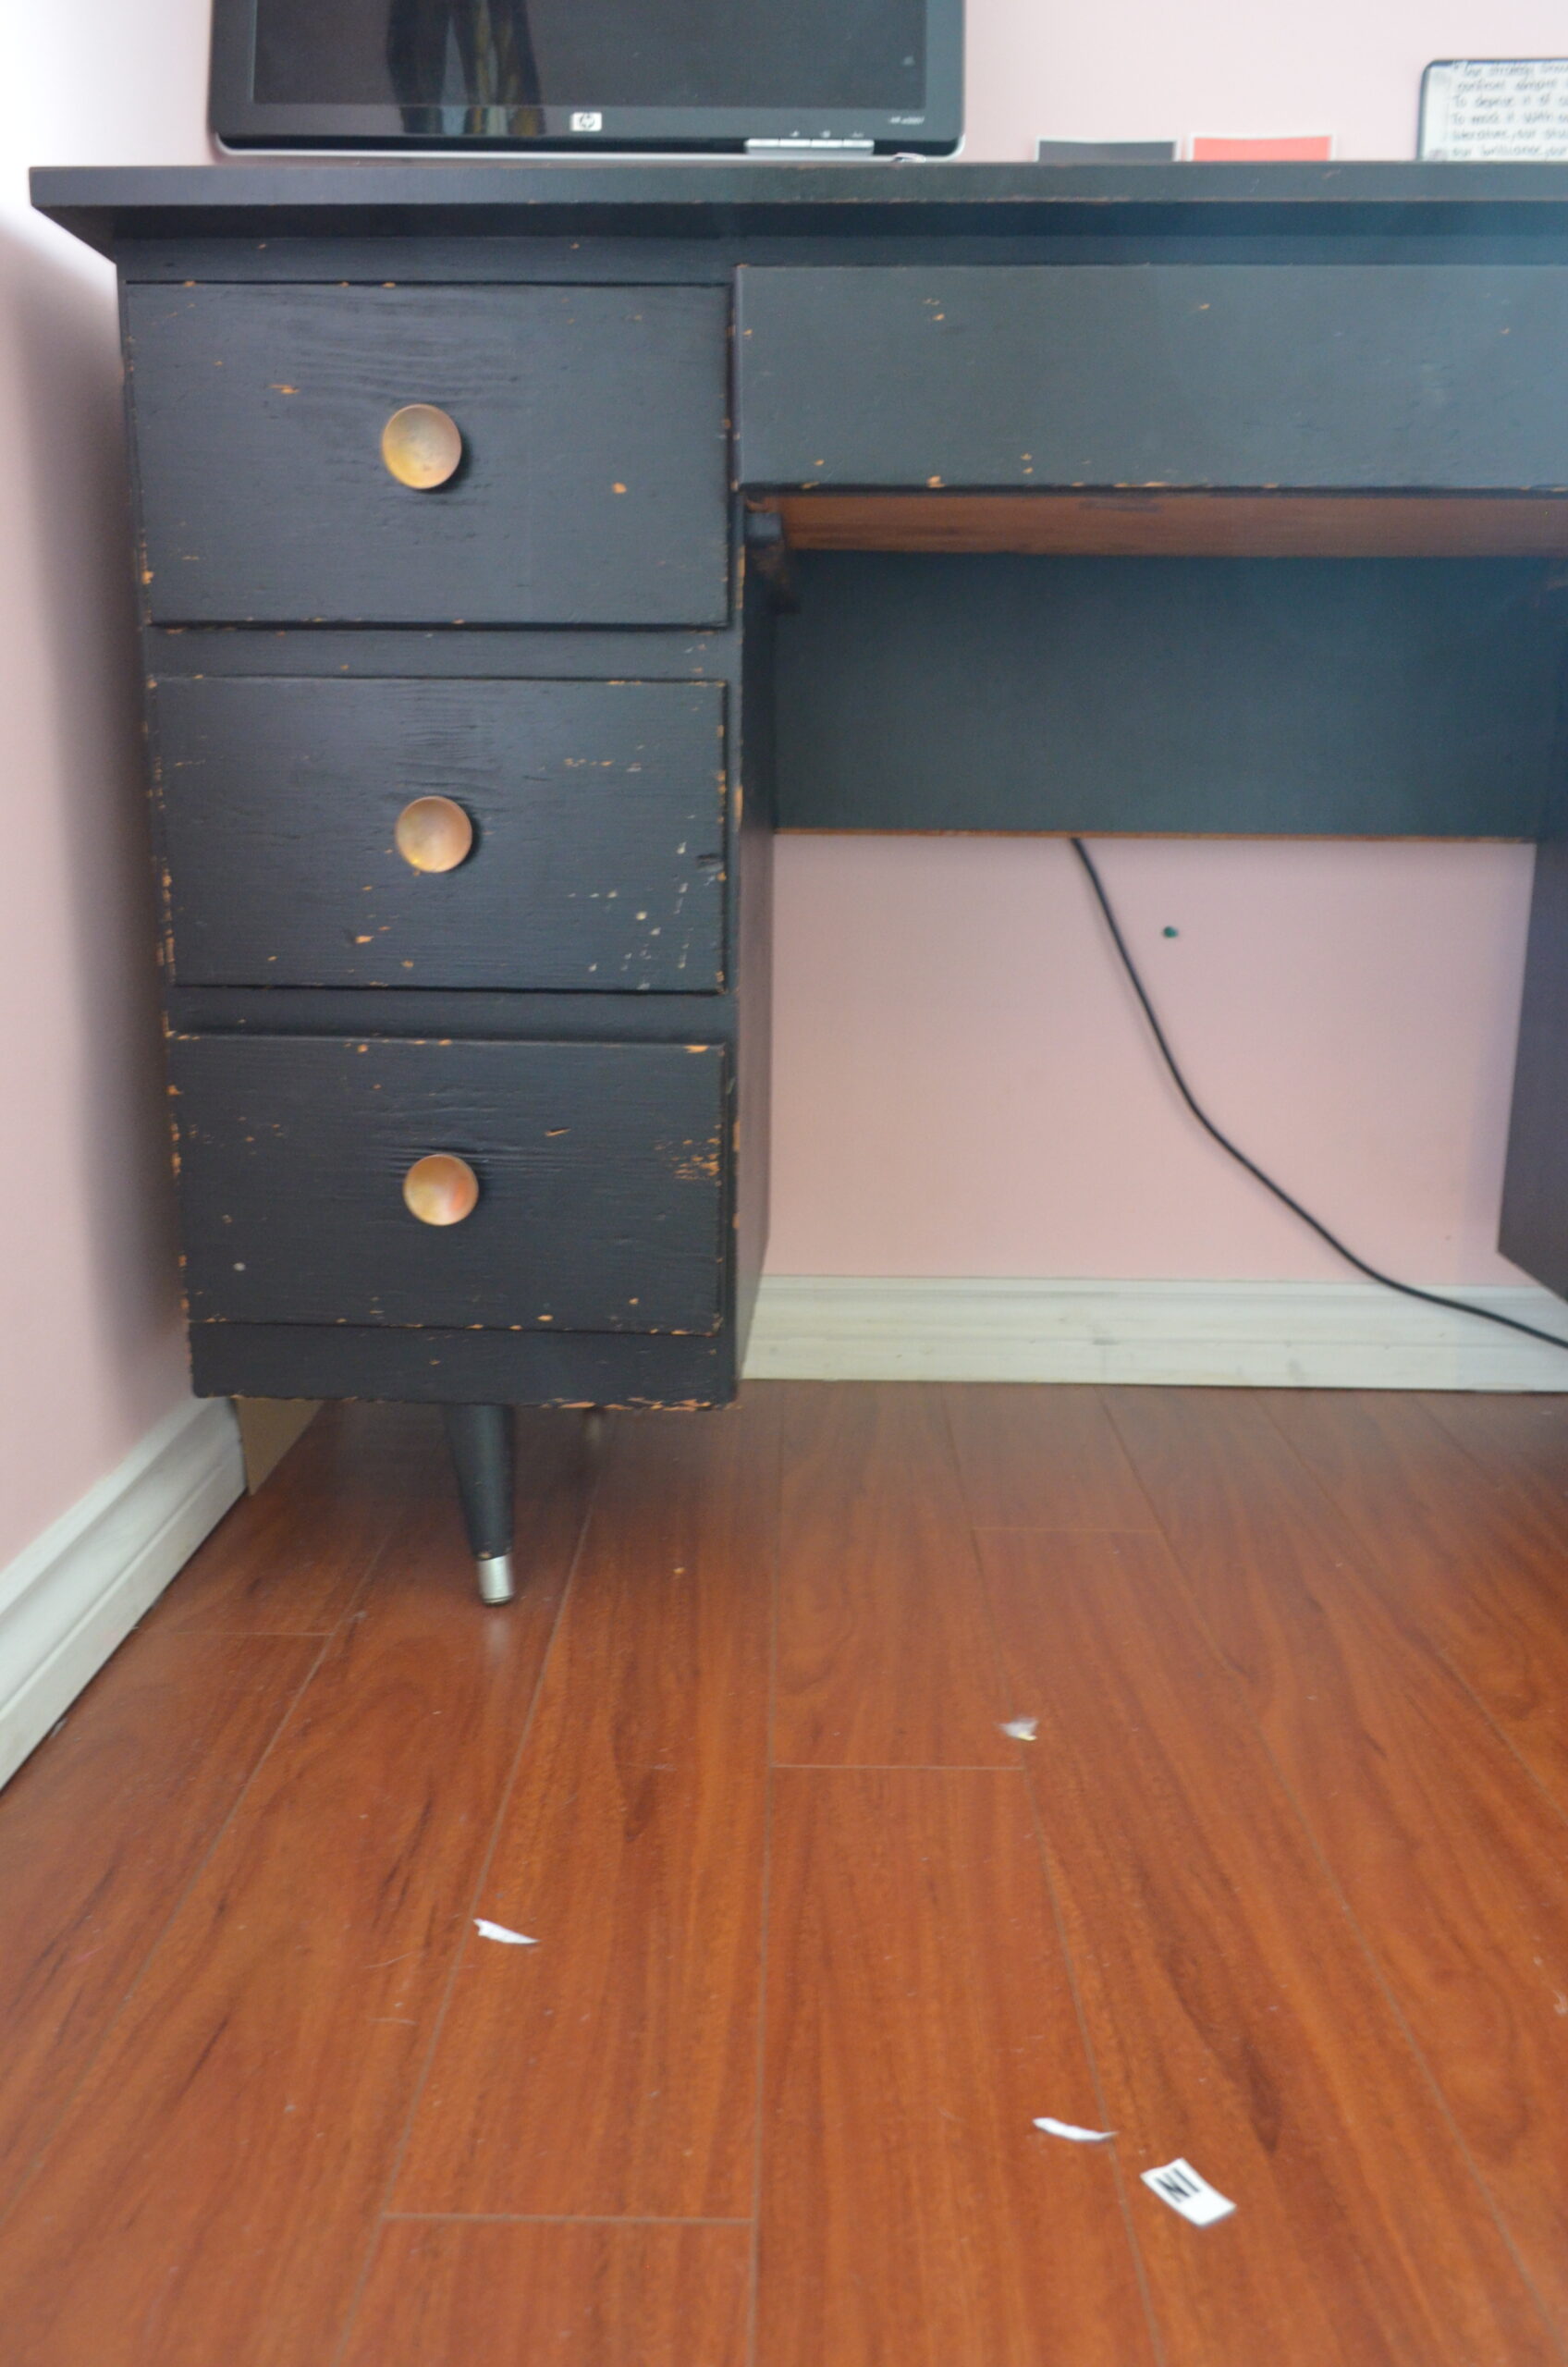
(79, 1589)
(75, 1592)
(1257, 1335)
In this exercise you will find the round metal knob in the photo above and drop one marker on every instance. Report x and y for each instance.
(442, 1189)
(422, 446)
(434, 834)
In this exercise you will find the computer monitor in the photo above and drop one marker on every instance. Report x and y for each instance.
(864, 76)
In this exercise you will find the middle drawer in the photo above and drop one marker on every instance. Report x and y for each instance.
(579, 828)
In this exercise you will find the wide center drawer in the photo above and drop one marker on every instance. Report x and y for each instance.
(596, 813)
(600, 1170)
(590, 483)
(1443, 377)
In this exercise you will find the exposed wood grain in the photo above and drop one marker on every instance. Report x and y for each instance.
(613, 2068)
(212, 2190)
(528, 2295)
(1216, 525)
(884, 1658)
(920, 2015)
(101, 1829)
(1477, 1569)
(1453, 1862)
(1043, 1458)
(291, 1559)
(1232, 2012)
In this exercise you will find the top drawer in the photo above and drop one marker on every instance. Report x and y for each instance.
(592, 486)
(1444, 376)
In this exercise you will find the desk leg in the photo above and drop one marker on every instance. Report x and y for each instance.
(483, 1440)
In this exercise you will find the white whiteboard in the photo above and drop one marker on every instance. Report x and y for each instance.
(1511, 110)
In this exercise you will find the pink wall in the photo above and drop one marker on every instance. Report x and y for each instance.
(966, 1086)
(1148, 69)
(90, 1349)
(962, 1088)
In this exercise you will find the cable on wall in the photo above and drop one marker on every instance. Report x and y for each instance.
(1406, 1290)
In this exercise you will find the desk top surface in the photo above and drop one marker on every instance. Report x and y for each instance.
(730, 197)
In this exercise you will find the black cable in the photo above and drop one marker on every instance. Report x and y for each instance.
(1406, 1290)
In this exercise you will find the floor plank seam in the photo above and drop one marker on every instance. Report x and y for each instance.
(555, 2219)
(1157, 2342)
(378, 2217)
(1124, 2200)
(760, 2090)
(286, 1718)
(1059, 1528)
(1371, 1547)
(1270, 1894)
(1418, 2055)
(1368, 1546)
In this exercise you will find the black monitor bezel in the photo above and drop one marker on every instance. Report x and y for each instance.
(239, 121)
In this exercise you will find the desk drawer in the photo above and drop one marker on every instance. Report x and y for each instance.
(1443, 377)
(596, 812)
(592, 486)
(600, 1171)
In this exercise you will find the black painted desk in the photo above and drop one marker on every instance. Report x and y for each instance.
(518, 543)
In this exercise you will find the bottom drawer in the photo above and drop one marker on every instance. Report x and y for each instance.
(599, 1170)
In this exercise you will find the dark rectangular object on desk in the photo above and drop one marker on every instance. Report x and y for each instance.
(602, 1183)
(1370, 698)
(1431, 376)
(592, 488)
(598, 812)
(1105, 152)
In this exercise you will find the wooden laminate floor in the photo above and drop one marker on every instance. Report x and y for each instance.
(1281, 1886)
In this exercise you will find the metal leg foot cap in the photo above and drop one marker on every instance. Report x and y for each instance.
(496, 1577)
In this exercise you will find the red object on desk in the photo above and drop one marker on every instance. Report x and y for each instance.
(1312, 148)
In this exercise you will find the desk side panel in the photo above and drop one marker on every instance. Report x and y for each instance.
(752, 936)
(1534, 1229)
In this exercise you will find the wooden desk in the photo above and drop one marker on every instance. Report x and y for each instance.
(939, 497)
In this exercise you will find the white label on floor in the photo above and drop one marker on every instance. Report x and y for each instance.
(500, 1931)
(1179, 2184)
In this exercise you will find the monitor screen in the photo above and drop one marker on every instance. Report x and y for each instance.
(590, 72)
(608, 53)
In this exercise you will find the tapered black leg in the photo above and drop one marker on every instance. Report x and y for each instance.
(481, 1439)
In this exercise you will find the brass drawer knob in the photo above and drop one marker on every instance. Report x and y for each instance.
(422, 446)
(434, 834)
(442, 1189)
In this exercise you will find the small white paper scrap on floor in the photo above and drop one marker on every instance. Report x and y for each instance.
(500, 1931)
(1179, 2184)
(1078, 2135)
(1021, 1729)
